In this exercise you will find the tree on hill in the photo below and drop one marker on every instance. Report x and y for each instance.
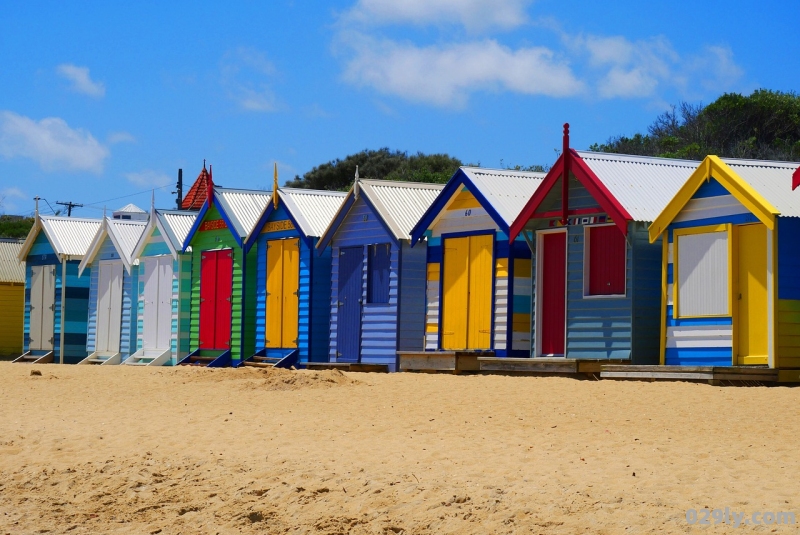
(382, 164)
(15, 226)
(764, 125)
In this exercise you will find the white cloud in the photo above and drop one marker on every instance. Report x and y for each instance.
(446, 75)
(81, 81)
(120, 137)
(472, 14)
(149, 178)
(246, 74)
(12, 192)
(51, 143)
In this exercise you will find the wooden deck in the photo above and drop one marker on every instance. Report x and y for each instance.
(347, 366)
(715, 375)
(545, 365)
(441, 361)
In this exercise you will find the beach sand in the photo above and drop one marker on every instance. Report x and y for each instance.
(89, 449)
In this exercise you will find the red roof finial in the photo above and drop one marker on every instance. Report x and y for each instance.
(796, 179)
(566, 137)
(210, 184)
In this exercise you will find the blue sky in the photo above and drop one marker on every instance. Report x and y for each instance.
(100, 101)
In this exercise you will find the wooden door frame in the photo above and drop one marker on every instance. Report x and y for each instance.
(539, 268)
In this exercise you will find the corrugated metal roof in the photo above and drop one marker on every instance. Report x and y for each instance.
(401, 204)
(177, 223)
(773, 180)
(127, 234)
(643, 185)
(312, 209)
(243, 207)
(131, 208)
(70, 235)
(11, 269)
(506, 190)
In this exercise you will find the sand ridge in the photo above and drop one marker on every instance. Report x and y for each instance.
(173, 450)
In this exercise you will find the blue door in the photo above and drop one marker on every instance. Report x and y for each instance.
(348, 341)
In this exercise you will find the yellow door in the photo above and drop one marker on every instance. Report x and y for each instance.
(455, 289)
(753, 302)
(479, 321)
(274, 293)
(291, 287)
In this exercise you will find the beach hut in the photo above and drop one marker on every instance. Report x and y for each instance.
(477, 282)
(731, 268)
(164, 289)
(224, 271)
(56, 297)
(12, 297)
(292, 288)
(114, 281)
(596, 276)
(376, 295)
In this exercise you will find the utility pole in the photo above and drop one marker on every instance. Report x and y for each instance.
(70, 206)
(179, 199)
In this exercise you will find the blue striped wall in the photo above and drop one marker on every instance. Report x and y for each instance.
(789, 258)
(645, 294)
(313, 320)
(411, 314)
(379, 322)
(701, 341)
(76, 312)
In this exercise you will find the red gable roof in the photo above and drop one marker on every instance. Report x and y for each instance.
(198, 193)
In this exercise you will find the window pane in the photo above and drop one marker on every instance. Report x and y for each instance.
(703, 274)
(606, 261)
(378, 261)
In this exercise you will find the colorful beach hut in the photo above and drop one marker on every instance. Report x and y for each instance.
(164, 290)
(292, 282)
(478, 283)
(12, 297)
(376, 295)
(224, 271)
(114, 280)
(595, 274)
(731, 267)
(56, 297)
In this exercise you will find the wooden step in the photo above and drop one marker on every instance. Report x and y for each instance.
(257, 364)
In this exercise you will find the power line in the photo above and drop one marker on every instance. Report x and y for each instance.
(70, 205)
(130, 195)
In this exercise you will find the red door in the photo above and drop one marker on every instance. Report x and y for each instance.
(216, 290)
(553, 292)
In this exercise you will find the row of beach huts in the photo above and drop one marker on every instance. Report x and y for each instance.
(611, 265)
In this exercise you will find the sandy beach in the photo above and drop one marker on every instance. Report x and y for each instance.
(174, 450)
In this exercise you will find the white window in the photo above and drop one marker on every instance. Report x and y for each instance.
(702, 272)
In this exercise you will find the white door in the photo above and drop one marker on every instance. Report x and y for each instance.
(157, 303)
(109, 307)
(43, 297)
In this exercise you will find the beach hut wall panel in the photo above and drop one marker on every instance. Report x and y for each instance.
(12, 297)
(58, 321)
(724, 301)
(465, 228)
(120, 329)
(295, 314)
(214, 237)
(165, 285)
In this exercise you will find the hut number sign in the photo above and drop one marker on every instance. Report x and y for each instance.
(214, 224)
(275, 226)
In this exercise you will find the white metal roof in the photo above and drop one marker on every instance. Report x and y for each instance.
(70, 236)
(508, 191)
(11, 269)
(401, 204)
(177, 223)
(773, 180)
(126, 233)
(312, 209)
(243, 207)
(643, 185)
(131, 208)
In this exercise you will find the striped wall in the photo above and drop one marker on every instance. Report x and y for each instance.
(465, 215)
(788, 316)
(313, 316)
(242, 336)
(411, 315)
(701, 341)
(381, 332)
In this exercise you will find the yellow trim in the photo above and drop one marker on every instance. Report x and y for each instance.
(775, 323)
(713, 167)
(662, 346)
(501, 267)
(431, 327)
(433, 271)
(724, 227)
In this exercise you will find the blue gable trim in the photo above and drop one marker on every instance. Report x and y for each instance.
(265, 218)
(199, 221)
(458, 180)
(337, 222)
(381, 220)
